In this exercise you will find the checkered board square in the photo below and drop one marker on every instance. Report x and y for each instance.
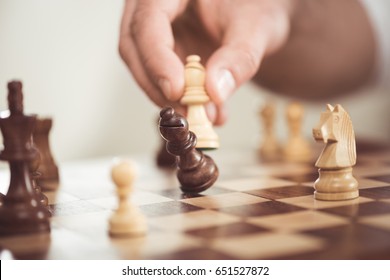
(256, 210)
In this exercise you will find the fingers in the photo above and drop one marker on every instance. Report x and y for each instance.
(236, 62)
(216, 113)
(146, 45)
(154, 42)
(250, 33)
(129, 54)
(221, 115)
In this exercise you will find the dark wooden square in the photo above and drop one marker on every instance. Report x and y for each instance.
(261, 209)
(353, 241)
(383, 178)
(283, 192)
(234, 229)
(177, 194)
(376, 193)
(195, 254)
(302, 178)
(167, 208)
(368, 147)
(360, 210)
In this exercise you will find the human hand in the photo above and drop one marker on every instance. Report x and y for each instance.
(232, 36)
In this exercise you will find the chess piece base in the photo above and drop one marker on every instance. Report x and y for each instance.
(199, 188)
(207, 144)
(202, 127)
(16, 221)
(338, 184)
(198, 179)
(127, 225)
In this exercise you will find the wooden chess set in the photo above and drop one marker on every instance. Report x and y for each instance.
(197, 201)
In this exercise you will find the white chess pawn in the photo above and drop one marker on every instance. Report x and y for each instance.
(269, 148)
(126, 220)
(297, 148)
(195, 97)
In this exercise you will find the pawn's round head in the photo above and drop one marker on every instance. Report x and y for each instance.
(123, 173)
(15, 97)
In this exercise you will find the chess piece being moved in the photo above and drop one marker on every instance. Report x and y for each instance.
(126, 221)
(49, 175)
(195, 97)
(297, 148)
(196, 171)
(269, 148)
(336, 181)
(21, 212)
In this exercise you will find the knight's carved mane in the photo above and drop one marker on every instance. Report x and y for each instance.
(347, 134)
(341, 153)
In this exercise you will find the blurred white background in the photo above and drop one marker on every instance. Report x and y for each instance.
(65, 53)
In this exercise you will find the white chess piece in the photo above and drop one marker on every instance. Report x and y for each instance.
(195, 97)
(126, 220)
(336, 181)
(297, 148)
(269, 148)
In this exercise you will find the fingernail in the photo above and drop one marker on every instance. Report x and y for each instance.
(165, 87)
(211, 112)
(225, 84)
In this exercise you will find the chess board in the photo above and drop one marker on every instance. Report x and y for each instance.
(255, 210)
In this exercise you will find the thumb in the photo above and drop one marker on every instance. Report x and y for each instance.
(216, 113)
(244, 44)
(228, 68)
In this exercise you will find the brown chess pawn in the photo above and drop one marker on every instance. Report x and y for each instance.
(49, 178)
(35, 175)
(196, 171)
(20, 212)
